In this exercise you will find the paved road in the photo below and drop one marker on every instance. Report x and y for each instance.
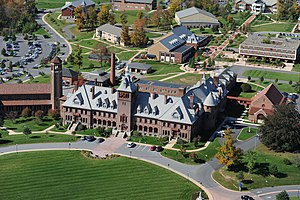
(67, 31)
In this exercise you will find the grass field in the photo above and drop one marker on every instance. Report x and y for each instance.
(282, 87)
(34, 138)
(289, 174)
(204, 155)
(67, 174)
(272, 75)
(79, 35)
(58, 25)
(19, 124)
(126, 55)
(131, 16)
(198, 32)
(42, 31)
(153, 35)
(39, 79)
(90, 43)
(245, 134)
(84, 50)
(282, 27)
(188, 79)
(236, 42)
(156, 78)
(161, 67)
(254, 90)
(148, 140)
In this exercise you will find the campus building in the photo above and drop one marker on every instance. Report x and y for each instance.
(178, 46)
(16, 97)
(154, 109)
(263, 103)
(257, 6)
(195, 18)
(110, 33)
(67, 11)
(121, 5)
(261, 46)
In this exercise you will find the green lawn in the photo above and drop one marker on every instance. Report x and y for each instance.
(245, 134)
(19, 124)
(84, 50)
(188, 79)
(294, 198)
(289, 174)
(236, 42)
(282, 87)
(198, 32)
(115, 49)
(58, 25)
(149, 140)
(161, 67)
(260, 19)
(282, 27)
(60, 128)
(156, 78)
(254, 90)
(131, 16)
(204, 155)
(190, 145)
(126, 55)
(153, 35)
(39, 79)
(296, 68)
(79, 35)
(91, 43)
(272, 75)
(34, 138)
(216, 41)
(42, 31)
(67, 174)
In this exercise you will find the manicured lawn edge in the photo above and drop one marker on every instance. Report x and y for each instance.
(245, 135)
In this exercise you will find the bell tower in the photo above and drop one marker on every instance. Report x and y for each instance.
(56, 82)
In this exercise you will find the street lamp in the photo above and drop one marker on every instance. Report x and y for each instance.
(130, 153)
(16, 148)
(69, 145)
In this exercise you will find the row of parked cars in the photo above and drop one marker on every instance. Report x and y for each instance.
(152, 148)
(33, 52)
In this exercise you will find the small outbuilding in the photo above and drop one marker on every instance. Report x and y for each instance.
(136, 67)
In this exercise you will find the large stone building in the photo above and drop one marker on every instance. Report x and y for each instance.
(121, 5)
(156, 109)
(177, 46)
(263, 103)
(195, 18)
(16, 97)
(110, 33)
(257, 6)
(67, 11)
(260, 46)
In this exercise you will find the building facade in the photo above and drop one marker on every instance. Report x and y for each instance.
(272, 48)
(67, 11)
(158, 114)
(121, 5)
(110, 33)
(257, 6)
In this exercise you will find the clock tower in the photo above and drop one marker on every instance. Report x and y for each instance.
(125, 96)
(56, 82)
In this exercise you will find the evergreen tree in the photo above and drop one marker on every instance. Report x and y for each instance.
(78, 57)
(138, 36)
(125, 37)
(123, 18)
(283, 196)
(103, 15)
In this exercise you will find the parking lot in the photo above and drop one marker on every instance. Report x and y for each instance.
(29, 55)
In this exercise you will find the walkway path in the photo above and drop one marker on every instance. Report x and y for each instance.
(67, 31)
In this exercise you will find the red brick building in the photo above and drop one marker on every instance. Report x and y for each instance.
(263, 103)
(67, 11)
(121, 5)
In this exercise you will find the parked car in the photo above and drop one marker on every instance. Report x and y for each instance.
(246, 197)
(90, 138)
(101, 140)
(152, 148)
(131, 145)
(159, 148)
(83, 137)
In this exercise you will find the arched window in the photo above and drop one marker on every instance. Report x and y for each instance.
(140, 128)
(150, 129)
(155, 130)
(145, 128)
(99, 121)
(104, 122)
(108, 123)
(114, 124)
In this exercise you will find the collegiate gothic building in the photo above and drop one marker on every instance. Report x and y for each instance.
(158, 110)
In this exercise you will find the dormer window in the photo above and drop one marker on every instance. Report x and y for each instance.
(175, 115)
(76, 101)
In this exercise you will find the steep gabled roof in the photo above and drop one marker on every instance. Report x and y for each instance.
(272, 93)
(66, 72)
(193, 11)
(79, 3)
(108, 28)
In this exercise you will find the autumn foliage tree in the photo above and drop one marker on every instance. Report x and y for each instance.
(26, 112)
(138, 35)
(125, 37)
(228, 154)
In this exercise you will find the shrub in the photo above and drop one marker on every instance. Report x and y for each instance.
(273, 170)
(290, 82)
(287, 161)
(26, 112)
(136, 134)
(54, 114)
(27, 131)
(240, 175)
(262, 79)
(282, 196)
(249, 78)
(246, 87)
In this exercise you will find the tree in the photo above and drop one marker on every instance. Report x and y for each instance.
(2, 65)
(26, 112)
(228, 154)
(39, 114)
(249, 78)
(80, 18)
(290, 82)
(123, 18)
(138, 36)
(262, 79)
(27, 131)
(283, 196)
(54, 114)
(251, 159)
(174, 6)
(246, 87)
(273, 170)
(192, 62)
(276, 80)
(103, 15)
(193, 156)
(125, 37)
(78, 56)
(10, 66)
(3, 52)
(111, 19)
(281, 129)
(204, 65)
(240, 176)
(91, 17)
(12, 115)
(140, 14)
(100, 51)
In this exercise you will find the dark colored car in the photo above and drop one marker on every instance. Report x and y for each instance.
(246, 197)
(159, 149)
(100, 140)
(152, 148)
(90, 138)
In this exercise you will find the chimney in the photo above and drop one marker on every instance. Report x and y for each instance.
(153, 95)
(191, 100)
(96, 82)
(93, 92)
(216, 80)
(165, 99)
(112, 69)
(76, 85)
(112, 90)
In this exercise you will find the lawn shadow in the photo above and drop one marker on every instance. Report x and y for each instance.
(262, 169)
(199, 161)
(11, 128)
(281, 175)
(5, 141)
(247, 181)
(35, 137)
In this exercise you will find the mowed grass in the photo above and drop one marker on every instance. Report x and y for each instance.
(282, 87)
(282, 27)
(48, 4)
(272, 75)
(131, 16)
(289, 173)
(245, 134)
(58, 25)
(39, 79)
(188, 79)
(35, 138)
(161, 68)
(126, 55)
(48, 175)
(19, 124)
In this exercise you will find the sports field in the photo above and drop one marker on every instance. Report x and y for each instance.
(68, 175)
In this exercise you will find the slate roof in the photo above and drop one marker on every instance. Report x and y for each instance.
(139, 1)
(141, 66)
(272, 93)
(108, 28)
(194, 11)
(66, 72)
(98, 74)
(78, 3)
(172, 42)
(15, 89)
(182, 49)
(160, 84)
